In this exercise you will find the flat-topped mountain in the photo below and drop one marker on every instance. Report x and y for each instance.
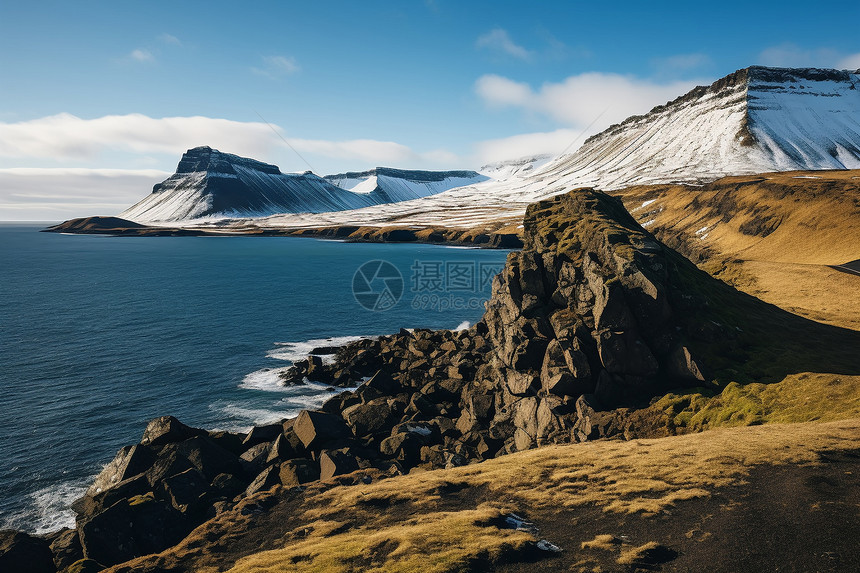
(211, 184)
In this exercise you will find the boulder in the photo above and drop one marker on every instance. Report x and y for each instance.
(298, 471)
(93, 504)
(66, 548)
(256, 457)
(405, 447)
(314, 429)
(383, 383)
(187, 491)
(167, 430)
(370, 418)
(337, 462)
(131, 528)
(226, 486)
(268, 478)
(23, 553)
(233, 443)
(129, 461)
(683, 367)
(259, 434)
(339, 402)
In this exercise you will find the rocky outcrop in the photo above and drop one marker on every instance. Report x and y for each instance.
(585, 324)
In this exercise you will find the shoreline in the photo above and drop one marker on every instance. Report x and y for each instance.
(499, 236)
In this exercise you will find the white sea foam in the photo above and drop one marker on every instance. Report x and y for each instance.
(308, 396)
(463, 326)
(266, 379)
(49, 508)
(293, 351)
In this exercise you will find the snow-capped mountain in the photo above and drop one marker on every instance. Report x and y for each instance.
(754, 120)
(209, 184)
(393, 185)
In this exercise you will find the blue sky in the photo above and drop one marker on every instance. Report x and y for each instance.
(99, 100)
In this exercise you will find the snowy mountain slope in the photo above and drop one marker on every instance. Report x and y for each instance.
(514, 167)
(754, 120)
(393, 185)
(209, 184)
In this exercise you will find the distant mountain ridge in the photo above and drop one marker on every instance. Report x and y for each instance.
(211, 184)
(395, 185)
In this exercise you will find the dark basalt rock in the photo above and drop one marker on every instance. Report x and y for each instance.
(24, 553)
(130, 528)
(315, 429)
(66, 548)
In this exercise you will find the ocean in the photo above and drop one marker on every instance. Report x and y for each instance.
(100, 334)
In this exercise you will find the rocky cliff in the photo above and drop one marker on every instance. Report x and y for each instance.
(588, 322)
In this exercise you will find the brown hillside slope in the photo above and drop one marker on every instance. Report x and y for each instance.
(763, 498)
(774, 235)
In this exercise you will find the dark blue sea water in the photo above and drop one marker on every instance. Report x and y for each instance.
(100, 334)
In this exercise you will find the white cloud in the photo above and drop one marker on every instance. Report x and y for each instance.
(499, 40)
(579, 100)
(851, 62)
(379, 153)
(551, 143)
(65, 138)
(275, 67)
(60, 194)
(170, 40)
(141, 55)
(793, 56)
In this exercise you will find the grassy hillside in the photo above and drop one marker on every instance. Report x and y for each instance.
(687, 503)
(773, 235)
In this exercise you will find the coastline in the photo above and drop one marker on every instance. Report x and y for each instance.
(503, 235)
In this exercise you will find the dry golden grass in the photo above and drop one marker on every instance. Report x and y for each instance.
(605, 542)
(815, 222)
(635, 477)
(404, 524)
(816, 292)
(634, 554)
(434, 542)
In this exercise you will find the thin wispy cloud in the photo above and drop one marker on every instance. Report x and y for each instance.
(65, 137)
(275, 67)
(61, 193)
(141, 55)
(523, 145)
(577, 100)
(170, 40)
(499, 41)
(851, 62)
(575, 103)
